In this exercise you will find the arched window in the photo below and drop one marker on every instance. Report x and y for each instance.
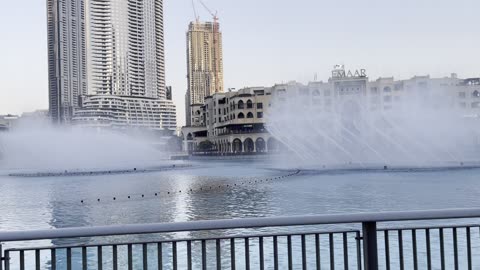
(241, 116)
(249, 104)
(260, 145)
(240, 104)
(250, 115)
(237, 146)
(387, 89)
(248, 145)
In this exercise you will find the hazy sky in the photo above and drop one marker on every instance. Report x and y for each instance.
(270, 41)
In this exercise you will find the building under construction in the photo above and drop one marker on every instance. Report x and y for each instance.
(205, 66)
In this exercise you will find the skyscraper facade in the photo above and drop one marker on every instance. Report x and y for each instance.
(126, 48)
(104, 47)
(67, 66)
(205, 66)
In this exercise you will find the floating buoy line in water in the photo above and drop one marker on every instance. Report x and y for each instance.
(204, 188)
(100, 172)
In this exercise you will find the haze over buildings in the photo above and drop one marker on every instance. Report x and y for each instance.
(347, 118)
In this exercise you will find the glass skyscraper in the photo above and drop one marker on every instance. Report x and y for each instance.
(104, 47)
(67, 59)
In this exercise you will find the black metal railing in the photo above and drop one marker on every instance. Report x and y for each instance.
(429, 247)
(328, 249)
(446, 247)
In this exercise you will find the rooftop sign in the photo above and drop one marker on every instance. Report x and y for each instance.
(339, 73)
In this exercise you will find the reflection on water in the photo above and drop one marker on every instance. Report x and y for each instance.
(37, 203)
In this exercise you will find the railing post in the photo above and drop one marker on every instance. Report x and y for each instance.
(370, 251)
(6, 259)
(2, 258)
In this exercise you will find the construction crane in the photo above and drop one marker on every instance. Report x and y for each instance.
(197, 18)
(214, 15)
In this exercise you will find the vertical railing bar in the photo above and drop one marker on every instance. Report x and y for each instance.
(174, 255)
(3, 259)
(37, 259)
(115, 257)
(429, 249)
(99, 257)
(53, 259)
(275, 252)
(232, 253)
(332, 251)
(387, 250)
(84, 258)
(189, 255)
(304, 253)
(290, 258)
(219, 254)
(160, 256)
(455, 248)
(469, 249)
(204, 255)
(400, 249)
(247, 253)
(129, 257)
(359, 250)
(442, 249)
(7, 260)
(414, 249)
(145, 256)
(260, 249)
(345, 251)
(370, 245)
(69, 259)
(317, 251)
(22, 260)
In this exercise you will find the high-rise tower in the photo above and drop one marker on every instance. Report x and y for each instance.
(205, 66)
(67, 67)
(104, 47)
(126, 48)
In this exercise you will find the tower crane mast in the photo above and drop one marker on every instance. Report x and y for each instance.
(214, 15)
(197, 18)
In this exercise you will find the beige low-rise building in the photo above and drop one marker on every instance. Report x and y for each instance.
(234, 122)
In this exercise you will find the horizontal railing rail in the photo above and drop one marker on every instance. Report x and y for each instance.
(225, 224)
(366, 240)
(390, 228)
(237, 236)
